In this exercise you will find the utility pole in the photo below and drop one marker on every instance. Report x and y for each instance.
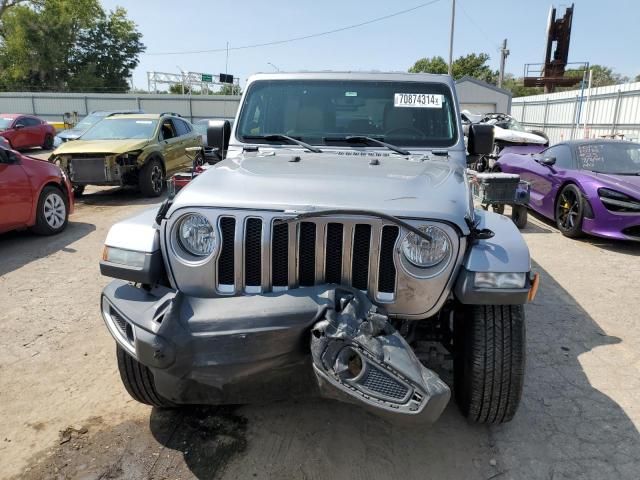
(504, 53)
(453, 21)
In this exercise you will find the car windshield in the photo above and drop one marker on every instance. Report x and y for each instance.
(89, 121)
(621, 158)
(5, 122)
(325, 112)
(121, 128)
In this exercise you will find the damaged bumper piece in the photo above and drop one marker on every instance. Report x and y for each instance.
(257, 348)
(359, 357)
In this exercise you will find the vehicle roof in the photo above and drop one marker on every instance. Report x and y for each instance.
(347, 75)
(140, 116)
(113, 112)
(591, 141)
(16, 115)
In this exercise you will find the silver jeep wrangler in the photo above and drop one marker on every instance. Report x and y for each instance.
(335, 251)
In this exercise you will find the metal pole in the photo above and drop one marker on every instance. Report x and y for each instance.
(587, 107)
(453, 21)
(149, 82)
(504, 53)
(226, 65)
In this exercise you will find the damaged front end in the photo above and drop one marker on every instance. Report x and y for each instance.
(359, 357)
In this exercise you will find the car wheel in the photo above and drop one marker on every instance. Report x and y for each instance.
(78, 190)
(138, 380)
(498, 208)
(151, 178)
(570, 211)
(519, 215)
(48, 142)
(489, 360)
(53, 212)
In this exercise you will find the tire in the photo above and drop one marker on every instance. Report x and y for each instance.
(569, 211)
(52, 215)
(489, 360)
(151, 178)
(78, 190)
(498, 208)
(519, 215)
(48, 142)
(138, 381)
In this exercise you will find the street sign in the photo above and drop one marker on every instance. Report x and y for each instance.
(207, 77)
(226, 78)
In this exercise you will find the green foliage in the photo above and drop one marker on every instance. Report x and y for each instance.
(66, 45)
(224, 90)
(602, 76)
(517, 88)
(472, 65)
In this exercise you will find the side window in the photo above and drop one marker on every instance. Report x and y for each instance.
(20, 121)
(30, 122)
(167, 130)
(182, 127)
(563, 156)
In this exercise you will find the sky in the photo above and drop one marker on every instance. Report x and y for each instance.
(602, 33)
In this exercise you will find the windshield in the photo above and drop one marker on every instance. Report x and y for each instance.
(322, 112)
(121, 128)
(610, 157)
(87, 122)
(5, 122)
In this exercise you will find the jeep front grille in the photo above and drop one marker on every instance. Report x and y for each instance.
(262, 255)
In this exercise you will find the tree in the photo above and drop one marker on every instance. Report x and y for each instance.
(472, 65)
(637, 79)
(61, 45)
(602, 76)
(517, 88)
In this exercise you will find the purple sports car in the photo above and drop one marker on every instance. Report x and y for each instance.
(586, 186)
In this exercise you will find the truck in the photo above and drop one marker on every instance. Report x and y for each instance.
(335, 251)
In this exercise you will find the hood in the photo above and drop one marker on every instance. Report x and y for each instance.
(100, 146)
(629, 184)
(433, 188)
(515, 136)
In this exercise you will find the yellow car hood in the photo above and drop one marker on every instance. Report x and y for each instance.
(100, 146)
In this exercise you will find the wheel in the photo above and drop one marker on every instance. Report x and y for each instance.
(151, 178)
(519, 214)
(48, 142)
(138, 380)
(498, 208)
(78, 190)
(570, 211)
(53, 212)
(489, 359)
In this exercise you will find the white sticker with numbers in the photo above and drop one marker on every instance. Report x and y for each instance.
(417, 100)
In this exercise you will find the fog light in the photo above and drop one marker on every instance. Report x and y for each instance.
(121, 256)
(499, 280)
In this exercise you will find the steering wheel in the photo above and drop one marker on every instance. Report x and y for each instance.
(411, 130)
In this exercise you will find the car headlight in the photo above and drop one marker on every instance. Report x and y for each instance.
(423, 253)
(499, 280)
(196, 235)
(618, 201)
(130, 258)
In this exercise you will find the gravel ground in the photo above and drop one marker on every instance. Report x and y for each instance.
(66, 415)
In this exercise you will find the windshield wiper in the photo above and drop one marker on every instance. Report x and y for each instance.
(370, 140)
(279, 137)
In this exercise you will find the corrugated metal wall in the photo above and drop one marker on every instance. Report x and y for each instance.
(611, 111)
(51, 106)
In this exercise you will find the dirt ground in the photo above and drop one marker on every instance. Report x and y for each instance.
(65, 414)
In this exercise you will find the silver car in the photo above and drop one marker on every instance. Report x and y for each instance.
(335, 251)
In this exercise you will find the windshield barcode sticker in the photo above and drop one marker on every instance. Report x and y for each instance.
(417, 100)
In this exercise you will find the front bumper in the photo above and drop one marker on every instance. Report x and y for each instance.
(613, 225)
(233, 349)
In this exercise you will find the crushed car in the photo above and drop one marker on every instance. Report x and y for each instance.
(334, 251)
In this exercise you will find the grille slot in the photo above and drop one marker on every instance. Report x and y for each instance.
(226, 265)
(333, 261)
(381, 383)
(280, 255)
(387, 269)
(253, 253)
(307, 254)
(360, 259)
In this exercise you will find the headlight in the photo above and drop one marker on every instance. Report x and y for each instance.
(618, 201)
(423, 253)
(130, 258)
(499, 280)
(196, 235)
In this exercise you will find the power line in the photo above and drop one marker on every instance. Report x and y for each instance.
(304, 37)
(480, 29)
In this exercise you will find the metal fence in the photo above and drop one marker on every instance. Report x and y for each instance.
(612, 111)
(52, 106)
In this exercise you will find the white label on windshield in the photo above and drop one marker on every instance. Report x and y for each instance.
(350, 94)
(417, 100)
(146, 122)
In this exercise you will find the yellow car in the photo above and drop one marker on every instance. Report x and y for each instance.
(128, 149)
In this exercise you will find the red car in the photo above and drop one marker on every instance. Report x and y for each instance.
(26, 131)
(34, 194)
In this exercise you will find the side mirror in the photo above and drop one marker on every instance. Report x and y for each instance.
(547, 161)
(218, 134)
(18, 126)
(480, 139)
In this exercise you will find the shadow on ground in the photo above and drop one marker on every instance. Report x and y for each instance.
(115, 197)
(565, 428)
(19, 248)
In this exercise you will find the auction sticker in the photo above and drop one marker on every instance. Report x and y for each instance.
(417, 100)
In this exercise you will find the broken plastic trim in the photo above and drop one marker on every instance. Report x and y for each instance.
(359, 357)
(369, 213)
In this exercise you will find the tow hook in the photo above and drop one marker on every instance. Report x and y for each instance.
(359, 357)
